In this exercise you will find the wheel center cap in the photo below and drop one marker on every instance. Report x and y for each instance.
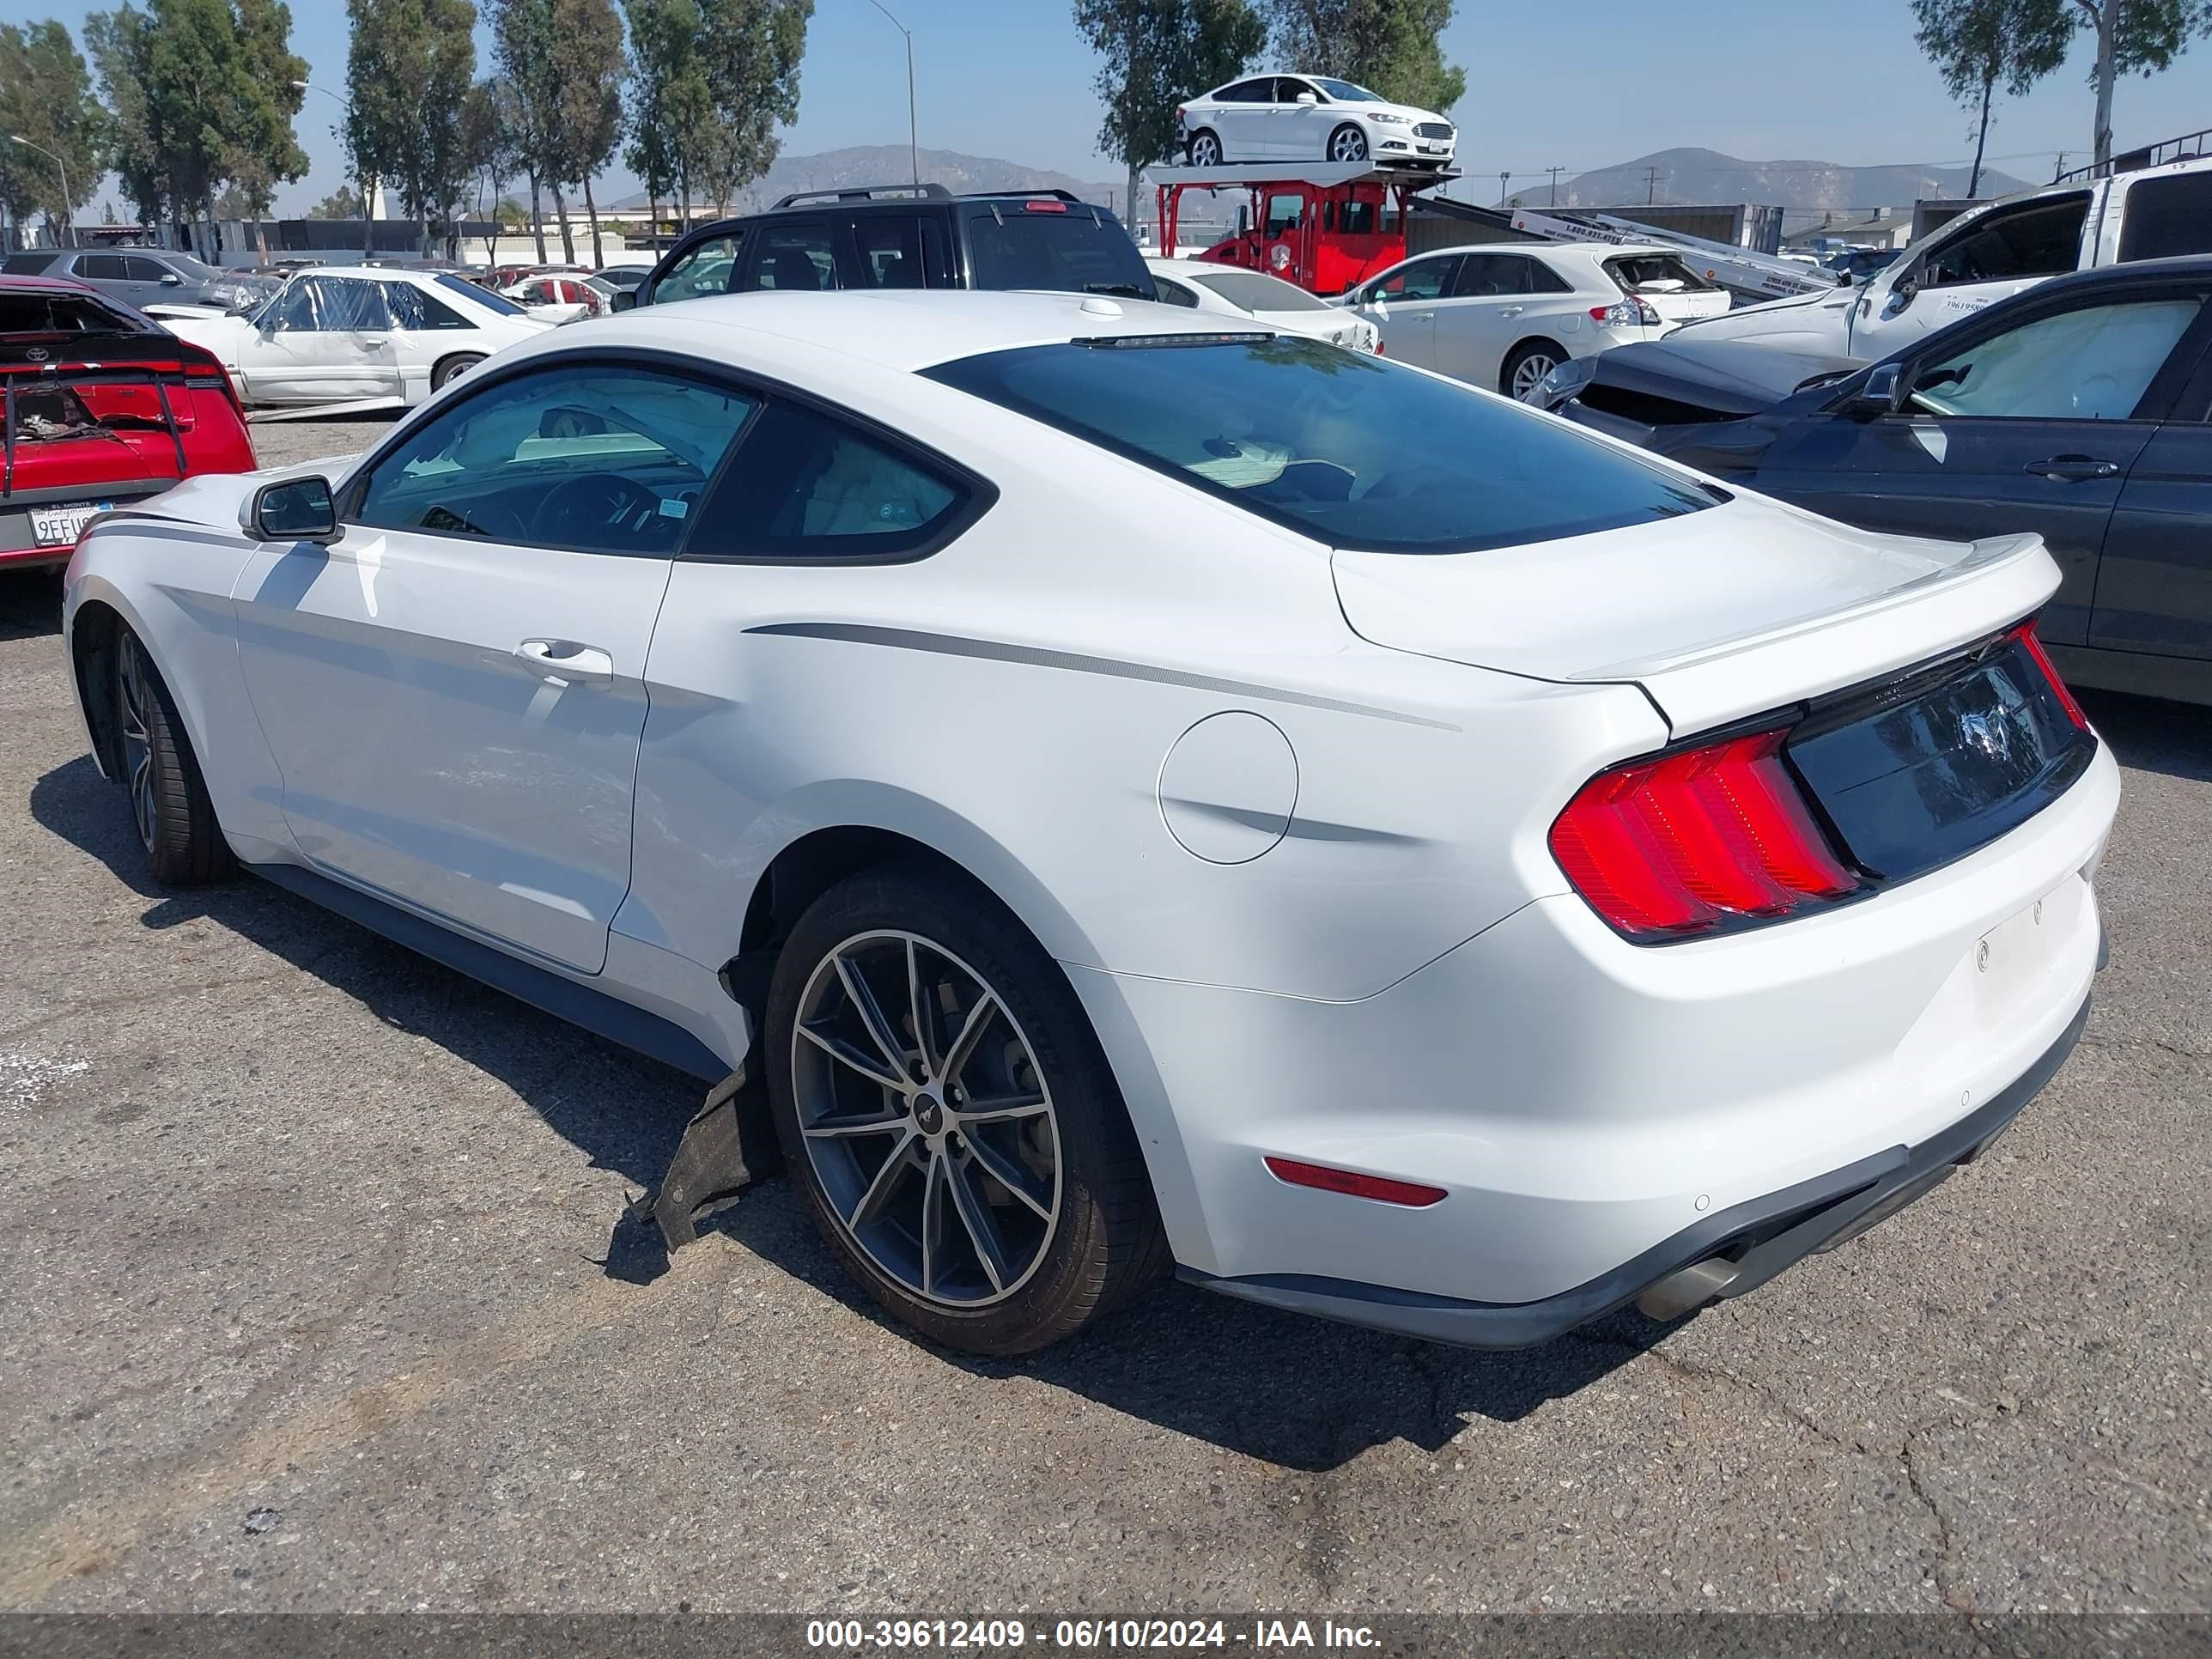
(929, 1110)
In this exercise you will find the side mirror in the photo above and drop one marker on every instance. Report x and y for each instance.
(623, 301)
(1878, 394)
(1307, 100)
(170, 279)
(293, 510)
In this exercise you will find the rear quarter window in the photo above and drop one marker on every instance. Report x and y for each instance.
(28, 264)
(1350, 451)
(1656, 273)
(2166, 217)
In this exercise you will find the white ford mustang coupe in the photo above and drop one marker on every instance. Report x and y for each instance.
(1143, 794)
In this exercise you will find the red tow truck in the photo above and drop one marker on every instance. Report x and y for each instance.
(1325, 226)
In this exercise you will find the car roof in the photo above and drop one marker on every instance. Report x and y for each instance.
(901, 330)
(52, 284)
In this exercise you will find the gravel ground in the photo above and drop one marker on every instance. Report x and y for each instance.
(303, 1245)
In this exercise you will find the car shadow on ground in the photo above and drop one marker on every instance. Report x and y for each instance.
(2174, 737)
(30, 602)
(1293, 1391)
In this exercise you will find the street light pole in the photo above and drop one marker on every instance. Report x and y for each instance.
(69, 202)
(913, 149)
(361, 178)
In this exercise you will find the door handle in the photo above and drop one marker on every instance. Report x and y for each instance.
(1511, 311)
(567, 661)
(373, 339)
(2073, 469)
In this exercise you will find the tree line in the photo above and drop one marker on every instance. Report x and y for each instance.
(191, 104)
(1980, 45)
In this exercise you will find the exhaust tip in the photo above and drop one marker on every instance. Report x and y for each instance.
(1686, 1288)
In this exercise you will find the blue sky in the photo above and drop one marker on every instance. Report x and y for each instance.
(1577, 87)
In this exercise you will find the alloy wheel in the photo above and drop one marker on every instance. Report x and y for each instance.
(1205, 151)
(928, 1122)
(1350, 145)
(1529, 373)
(134, 683)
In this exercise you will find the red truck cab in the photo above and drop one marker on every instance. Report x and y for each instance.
(1327, 233)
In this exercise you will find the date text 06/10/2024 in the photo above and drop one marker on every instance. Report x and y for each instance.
(1082, 1635)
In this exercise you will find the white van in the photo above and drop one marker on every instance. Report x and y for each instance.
(1986, 254)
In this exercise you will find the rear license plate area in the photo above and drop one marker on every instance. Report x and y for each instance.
(1925, 770)
(60, 526)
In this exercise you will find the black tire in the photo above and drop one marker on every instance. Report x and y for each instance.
(1524, 357)
(168, 798)
(1351, 141)
(451, 367)
(1204, 138)
(1104, 1243)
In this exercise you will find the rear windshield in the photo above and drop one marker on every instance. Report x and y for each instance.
(1349, 450)
(1082, 250)
(34, 313)
(482, 296)
(1656, 273)
(1249, 290)
(28, 264)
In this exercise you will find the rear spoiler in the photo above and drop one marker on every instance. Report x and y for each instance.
(30, 363)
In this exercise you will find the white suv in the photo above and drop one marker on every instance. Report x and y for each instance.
(1310, 118)
(1505, 315)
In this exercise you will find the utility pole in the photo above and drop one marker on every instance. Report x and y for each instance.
(913, 149)
(1555, 173)
(1650, 185)
(2059, 172)
(1502, 179)
(68, 211)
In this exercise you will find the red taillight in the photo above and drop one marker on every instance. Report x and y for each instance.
(2026, 634)
(1044, 207)
(1693, 841)
(1353, 1185)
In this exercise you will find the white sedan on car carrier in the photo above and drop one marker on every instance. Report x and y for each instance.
(1138, 793)
(1310, 118)
(363, 336)
(1505, 315)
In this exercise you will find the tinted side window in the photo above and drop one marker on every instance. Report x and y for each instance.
(785, 258)
(890, 246)
(1174, 293)
(1490, 275)
(1424, 279)
(2092, 364)
(142, 269)
(585, 456)
(1246, 92)
(705, 270)
(2042, 239)
(27, 264)
(807, 486)
(103, 267)
(2167, 216)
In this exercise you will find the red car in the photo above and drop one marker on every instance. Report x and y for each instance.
(99, 405)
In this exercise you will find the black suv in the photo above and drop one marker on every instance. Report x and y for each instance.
(906, 236)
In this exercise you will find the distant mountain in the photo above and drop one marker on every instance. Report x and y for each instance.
(889, 164)
(1708, 176)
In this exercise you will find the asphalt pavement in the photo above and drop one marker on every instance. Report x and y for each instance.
(316, 1298)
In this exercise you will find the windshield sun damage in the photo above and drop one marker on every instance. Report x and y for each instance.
(1352, 452)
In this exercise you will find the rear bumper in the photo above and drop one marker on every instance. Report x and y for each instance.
(19, 546)
(1591, 1106)
(1743, 1247)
